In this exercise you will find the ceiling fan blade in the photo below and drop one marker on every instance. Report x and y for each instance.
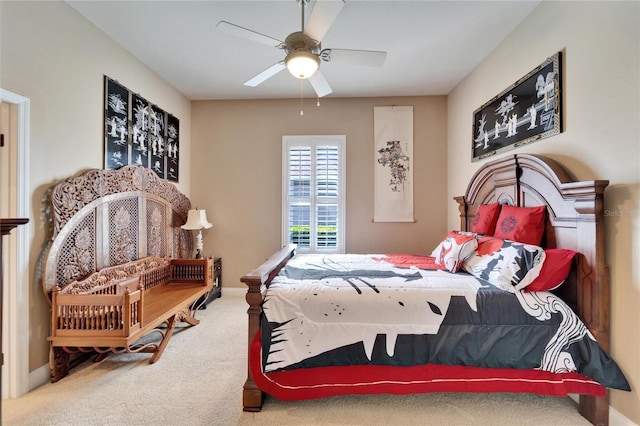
(322, 16)
(247, 34)
(369, 58)
(266, 74)
(319, 84)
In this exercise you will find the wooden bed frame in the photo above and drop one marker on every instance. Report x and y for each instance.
(575, 221)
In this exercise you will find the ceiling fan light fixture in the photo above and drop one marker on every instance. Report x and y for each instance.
(302, 64)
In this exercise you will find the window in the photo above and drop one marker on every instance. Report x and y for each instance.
(313, 193)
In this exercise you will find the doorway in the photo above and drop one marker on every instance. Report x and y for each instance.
(14, 149)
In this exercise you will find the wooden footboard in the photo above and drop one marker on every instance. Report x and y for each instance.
(252, 397)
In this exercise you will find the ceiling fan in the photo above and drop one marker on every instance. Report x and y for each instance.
(303, 48)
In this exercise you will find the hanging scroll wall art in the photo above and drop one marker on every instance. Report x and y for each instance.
(393, 164)
(137, 132)
(527, 111)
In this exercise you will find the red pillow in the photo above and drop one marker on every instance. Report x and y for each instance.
(484, 222)
(522, 224)
(555, 270)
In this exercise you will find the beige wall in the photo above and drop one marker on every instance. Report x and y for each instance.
(53, 56)
(237, 166)
(57, 59)
(600, 42)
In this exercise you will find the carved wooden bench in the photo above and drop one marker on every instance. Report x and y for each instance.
(112, 310)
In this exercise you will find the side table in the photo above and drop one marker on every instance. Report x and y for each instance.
(217, 284)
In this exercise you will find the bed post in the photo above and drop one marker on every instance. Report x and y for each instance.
(593, 292)
(252, 397)
(595, 285)
(575, 220)
(462, 207)
(595, 409)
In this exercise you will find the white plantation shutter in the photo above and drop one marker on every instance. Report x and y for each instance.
(300, 195)
(327, 170)
(313, 193)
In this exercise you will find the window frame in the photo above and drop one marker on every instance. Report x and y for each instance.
(313, 142)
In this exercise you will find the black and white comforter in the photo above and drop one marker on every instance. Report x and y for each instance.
(377, 309)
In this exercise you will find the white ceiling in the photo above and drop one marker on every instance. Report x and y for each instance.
(431, 45)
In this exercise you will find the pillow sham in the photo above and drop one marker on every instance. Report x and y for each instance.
(454, 249)
(555, 270)
(436, 251)
(509, 265)
(522, 224)
(484, 222)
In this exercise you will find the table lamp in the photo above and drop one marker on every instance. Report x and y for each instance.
(197, 221)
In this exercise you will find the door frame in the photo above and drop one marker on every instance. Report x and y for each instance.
(16, 295)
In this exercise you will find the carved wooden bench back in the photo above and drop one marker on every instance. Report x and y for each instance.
(103, 218)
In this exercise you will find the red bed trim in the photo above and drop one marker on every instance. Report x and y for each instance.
(320, 382)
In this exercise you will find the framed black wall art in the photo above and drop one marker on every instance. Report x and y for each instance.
(157, 139)
(173, 148)
(527, 111)
(116, 124)
(138, 132)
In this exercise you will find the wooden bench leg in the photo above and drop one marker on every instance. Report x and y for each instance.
(101, 356)
(171, 325)
(59, 363)
(190, 319)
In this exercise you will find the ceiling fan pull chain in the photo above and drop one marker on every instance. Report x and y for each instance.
(301, 94)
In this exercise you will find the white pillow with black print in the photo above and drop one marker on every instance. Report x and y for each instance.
(504, 263)
(454, 249)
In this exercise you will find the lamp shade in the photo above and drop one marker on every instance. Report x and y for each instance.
(197, 219)
(302, 63)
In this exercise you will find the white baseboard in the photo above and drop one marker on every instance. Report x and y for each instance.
(39, 377)
(618, 419)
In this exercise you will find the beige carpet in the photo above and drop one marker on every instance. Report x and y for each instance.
(198, 381)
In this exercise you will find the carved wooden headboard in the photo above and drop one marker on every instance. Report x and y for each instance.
(575, 220)
(108, 217)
